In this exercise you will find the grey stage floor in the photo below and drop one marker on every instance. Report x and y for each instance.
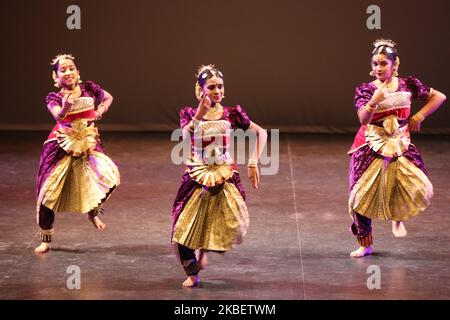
(297, 246)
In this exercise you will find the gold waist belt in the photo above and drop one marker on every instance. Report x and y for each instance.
(78, 140)
(389, 140)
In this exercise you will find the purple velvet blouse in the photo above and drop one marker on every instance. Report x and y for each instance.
(418, 90)
(236, 116)
(88, 89)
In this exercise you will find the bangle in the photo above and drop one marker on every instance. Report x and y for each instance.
(59, 116)
(101, 108)
(195, 122)
(370, 109)
(418, 117)
(252, 163)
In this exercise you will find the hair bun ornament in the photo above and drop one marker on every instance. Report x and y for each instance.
(202, 70)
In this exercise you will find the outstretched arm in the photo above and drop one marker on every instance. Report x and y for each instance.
(261, 140)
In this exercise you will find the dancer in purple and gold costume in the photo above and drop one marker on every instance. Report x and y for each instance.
(75, 174)
(209, 212)
(388, 179)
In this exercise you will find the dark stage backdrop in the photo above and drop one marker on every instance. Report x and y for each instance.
(291, 64)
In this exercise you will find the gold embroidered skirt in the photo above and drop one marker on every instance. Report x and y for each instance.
(214, 217)
(392, 187)
(78, 183)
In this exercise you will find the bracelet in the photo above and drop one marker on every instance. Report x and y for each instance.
(418, 117)
(252, 163)
(370, 109)
(195, 122)
(101, 108)
(59, 116)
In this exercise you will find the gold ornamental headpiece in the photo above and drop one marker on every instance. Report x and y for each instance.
(60, 57)
(204, 71)
(384, 42)
(387, 44)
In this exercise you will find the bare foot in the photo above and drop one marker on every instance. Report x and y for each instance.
(43, 248)
(202, 259)
(191, 281)
(361, 252)
(97, 222)
(398, 229)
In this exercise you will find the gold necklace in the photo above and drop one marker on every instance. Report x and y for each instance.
(75, 90)
(393, 84)
(214, 113)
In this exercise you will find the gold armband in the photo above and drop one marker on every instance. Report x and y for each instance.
(418, 117)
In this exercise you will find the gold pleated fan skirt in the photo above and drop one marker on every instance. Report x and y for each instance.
(79, 184)
(213, 219)
(79, 139)
(84, 177)
(391, 190)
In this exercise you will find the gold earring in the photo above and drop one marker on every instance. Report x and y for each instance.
(56, 80)
(57, 83)
(198, 91)
(397, 65)
(371, 73)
